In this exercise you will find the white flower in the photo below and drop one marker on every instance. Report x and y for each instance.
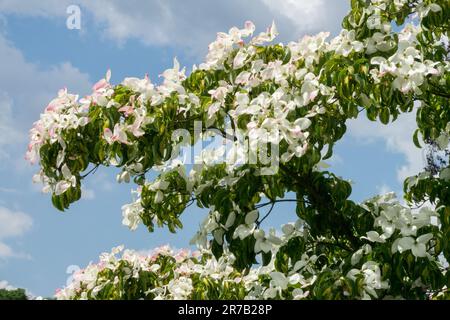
(279, 280)
(239, 59)
(417, 246)
(159, 184)
(356, 257)
(374, 236)
(298, 294)
(374, 21)
(69, 181)
(423, 10)
(243, 231)
(123, 177)
(267, 36)
(372, 278)
(242, 78)
(345, 43)
(261, 244)
(378, 42)
(180, 288)
(131, 215)
(118, 135)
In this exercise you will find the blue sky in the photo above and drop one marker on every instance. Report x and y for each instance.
(39, 55)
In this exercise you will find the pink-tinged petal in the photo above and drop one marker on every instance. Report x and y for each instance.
(108, 75)
(119, 135)
(100, 85)
(127, 110)
(31, 156)
(62, 92)
(50, 108)
(107, 134)
(249, 26)
(122, 137)
(313, 95)
(62, 187)
(433, 71)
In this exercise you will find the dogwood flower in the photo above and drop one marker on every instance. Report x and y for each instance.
(68, 181)
(417, 246)
(345, 43)
(261, 244)
(267, 36)
(243, 231)
(118, 135)
(374, 236)
(239, 59)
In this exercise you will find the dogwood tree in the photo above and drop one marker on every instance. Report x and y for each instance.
(280, 108)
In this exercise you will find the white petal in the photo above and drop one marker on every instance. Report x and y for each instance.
(405, 243)
(356, 257)
(159, 196)
(303, 123)
(394, 247)
(230, 220)
(251, 217)
(61, 187)
(66, 172)
(375, 237)
(425, 238)
(108, 75)
(218, 236)
(279, 279)
(419, 250)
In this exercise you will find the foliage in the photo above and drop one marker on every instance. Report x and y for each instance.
(296, 97)
(16, 294)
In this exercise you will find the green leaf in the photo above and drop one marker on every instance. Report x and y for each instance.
(416, 138)
(384, 116)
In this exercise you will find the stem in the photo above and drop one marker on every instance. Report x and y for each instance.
(266, 215)
(258, 206)
(90, 171)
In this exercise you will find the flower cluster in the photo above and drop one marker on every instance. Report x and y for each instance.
(407, 65)
(295, 98)
(160, 274)
(398, 222)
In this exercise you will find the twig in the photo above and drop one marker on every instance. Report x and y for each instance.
(90, 171)
(266, 215)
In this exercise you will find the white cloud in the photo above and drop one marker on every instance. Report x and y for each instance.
(383, 189)
(312, 15)
(5, 251)
(25, 90)
(335, 160)
(103, 180)
(191, 24)
(8, 190)
(30, 87)
(5, 285)
(8, 132)
(87, 194)
(45, 8)
(13, 224)
(398, 139)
